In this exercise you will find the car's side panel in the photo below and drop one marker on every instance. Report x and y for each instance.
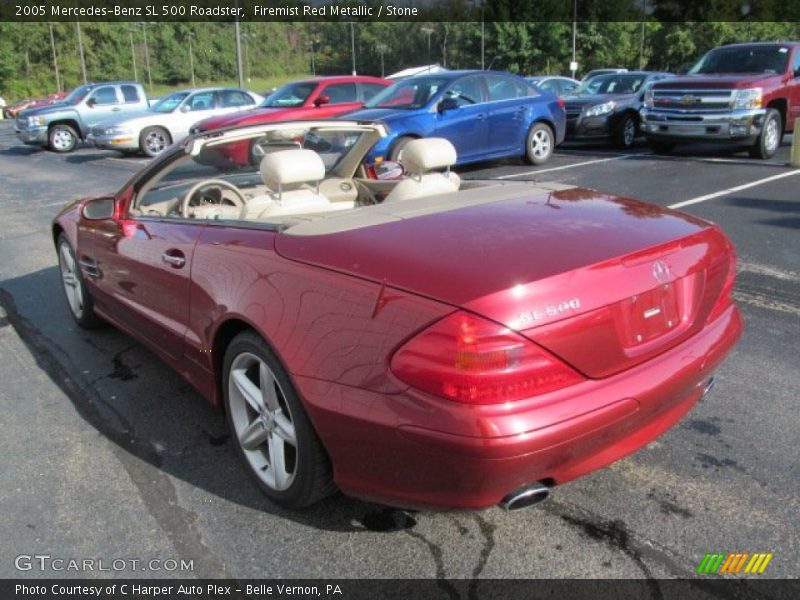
(137, 280)
(322, 324)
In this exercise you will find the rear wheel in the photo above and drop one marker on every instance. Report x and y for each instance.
(62, 138)
(661, 147)
(769, 141)
(273, 435)
(625, 132)
(78, 298)
(539, 144)
(154, 140)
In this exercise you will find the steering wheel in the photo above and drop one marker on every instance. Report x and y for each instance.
(195, 197)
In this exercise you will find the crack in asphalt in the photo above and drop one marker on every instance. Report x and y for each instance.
(138, 456)
(436, 554)
(487, 530)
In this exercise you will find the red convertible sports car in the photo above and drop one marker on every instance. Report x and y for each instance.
(422, 341)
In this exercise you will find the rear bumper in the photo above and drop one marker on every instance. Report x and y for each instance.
(36, 136)
(738, 125)
(415, 451)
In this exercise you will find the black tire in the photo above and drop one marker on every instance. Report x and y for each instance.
(80, 303)
(660, 147)
(312, 478)
(397, 147)
(539, 144)
(154, 140)
(625, 131)
(771, 136)
(62, 138)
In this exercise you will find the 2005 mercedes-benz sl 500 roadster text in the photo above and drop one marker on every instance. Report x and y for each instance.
(419, 341)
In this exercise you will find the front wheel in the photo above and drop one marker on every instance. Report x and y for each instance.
(272, 433)
(539, 144)
(154, 140)
(398, 146)
(769, 141)
(62, 138)
(80, 302)
(625, 133)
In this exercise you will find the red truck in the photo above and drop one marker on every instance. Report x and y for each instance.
(742, 93)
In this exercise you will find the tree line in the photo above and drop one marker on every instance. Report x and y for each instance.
(113, 50)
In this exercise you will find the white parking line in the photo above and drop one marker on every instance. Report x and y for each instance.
(572, 166)
(738, 188)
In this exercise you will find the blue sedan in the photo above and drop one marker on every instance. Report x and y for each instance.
(485, 115)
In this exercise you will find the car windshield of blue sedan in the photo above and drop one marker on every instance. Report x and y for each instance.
(289, 95)
(169, 103)
(622, 83)
(408, 94)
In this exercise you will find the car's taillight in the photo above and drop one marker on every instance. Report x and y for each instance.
(724, 299)
(470, 359)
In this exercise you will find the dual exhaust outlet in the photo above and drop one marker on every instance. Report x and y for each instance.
(525, 496)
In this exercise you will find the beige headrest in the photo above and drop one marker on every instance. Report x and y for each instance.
(279, 169)
(420, 156)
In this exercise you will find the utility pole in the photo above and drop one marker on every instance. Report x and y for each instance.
(428, 31)
(381, 48)
(80, 50)
(313, 66)
(191, 58)
(55, 56)
(147, 57)
(133, 57)
(239, 67)
(353, 44)
(573, 67)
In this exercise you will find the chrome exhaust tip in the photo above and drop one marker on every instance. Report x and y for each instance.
(525, 496)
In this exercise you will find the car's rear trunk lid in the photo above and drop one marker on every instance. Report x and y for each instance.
(601, 281)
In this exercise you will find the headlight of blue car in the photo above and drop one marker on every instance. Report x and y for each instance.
(601, 109)
(36, 122)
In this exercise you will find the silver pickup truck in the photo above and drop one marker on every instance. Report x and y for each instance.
(61, 126)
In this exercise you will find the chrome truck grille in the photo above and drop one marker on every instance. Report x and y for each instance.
(682, 101)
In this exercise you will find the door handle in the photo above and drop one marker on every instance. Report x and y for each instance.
(480, 116)
(116, 109)
(174, 258)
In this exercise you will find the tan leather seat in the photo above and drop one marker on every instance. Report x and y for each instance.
(419, 158)
(292, 180)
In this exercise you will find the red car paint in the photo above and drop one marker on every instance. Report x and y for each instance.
(310, 109)
(563, 270)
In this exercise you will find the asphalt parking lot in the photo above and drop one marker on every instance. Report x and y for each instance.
(109, 454)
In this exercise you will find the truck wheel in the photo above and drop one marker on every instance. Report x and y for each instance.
(62, 138)
(625, 132)
(661, 147)
(154, 140)
(771, 135)
(539, 144)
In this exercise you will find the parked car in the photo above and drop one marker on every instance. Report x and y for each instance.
(595, 72)
(465, 351)
(318, 98)
(414, 71)
(740, 93)
(485, 114)
(555, 84)
(607, 107)
(61, 126)
(168, 121)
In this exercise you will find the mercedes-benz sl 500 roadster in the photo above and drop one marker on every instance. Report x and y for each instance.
(404, 336)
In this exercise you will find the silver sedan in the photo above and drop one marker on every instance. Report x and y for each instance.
(168, 121)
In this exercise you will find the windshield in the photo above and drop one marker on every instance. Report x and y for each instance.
(289, 95)
(621, 83)
(78, 94)
(743, 59)
(169, 103)
(408, 94)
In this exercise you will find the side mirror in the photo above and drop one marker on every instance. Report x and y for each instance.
(98, 209)
(322, 100)
(185, 108)
(447, 104)
(388, 170)
(91, 102)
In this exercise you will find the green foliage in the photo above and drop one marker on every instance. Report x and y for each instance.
(530, 44)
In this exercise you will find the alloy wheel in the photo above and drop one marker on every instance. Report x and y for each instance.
(262, 421)
(541, 143)
(69, 277)
(155, 142)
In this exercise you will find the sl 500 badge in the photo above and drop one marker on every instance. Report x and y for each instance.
(549, 311)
